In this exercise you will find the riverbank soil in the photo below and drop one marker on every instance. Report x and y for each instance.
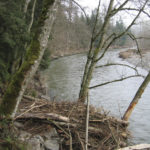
(37, 116)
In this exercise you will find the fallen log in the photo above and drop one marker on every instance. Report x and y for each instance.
(31, 98)
(45, 116)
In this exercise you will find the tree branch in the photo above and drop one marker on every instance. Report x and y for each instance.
(137, 44)
(117, 64)
(123, 33)
(102, 84)
(135, 9)
(93, 30)
(81, 9)
(115, 10)
(97, 15)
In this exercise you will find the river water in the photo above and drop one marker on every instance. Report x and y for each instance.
(64, 79)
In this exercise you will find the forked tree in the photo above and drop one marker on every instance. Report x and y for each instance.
(94, 55)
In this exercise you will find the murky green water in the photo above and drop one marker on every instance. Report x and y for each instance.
(64, 79)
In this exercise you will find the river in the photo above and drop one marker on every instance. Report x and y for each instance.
(64, 79)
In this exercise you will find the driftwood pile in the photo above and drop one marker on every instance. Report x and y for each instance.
(69, 120)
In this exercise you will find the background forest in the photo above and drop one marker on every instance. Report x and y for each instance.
(71, 33)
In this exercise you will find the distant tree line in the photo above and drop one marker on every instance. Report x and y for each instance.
(72, 30)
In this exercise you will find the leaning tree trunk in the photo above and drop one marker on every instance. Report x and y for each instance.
(16, 88)
(136, 97)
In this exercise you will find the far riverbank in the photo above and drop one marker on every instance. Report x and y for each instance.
(134, 57)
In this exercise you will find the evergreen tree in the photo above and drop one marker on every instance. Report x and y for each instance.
(13, 36)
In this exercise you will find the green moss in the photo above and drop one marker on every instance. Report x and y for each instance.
(9, 100)
(46, 5)
(33, 52)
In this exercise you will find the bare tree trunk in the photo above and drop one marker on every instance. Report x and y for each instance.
(32, 16)
(91, 61)
(104, 43)
(136, 97)
(15, 91)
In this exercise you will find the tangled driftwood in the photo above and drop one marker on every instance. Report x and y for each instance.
(68, 118)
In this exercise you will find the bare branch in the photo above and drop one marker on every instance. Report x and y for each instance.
(102, 84)
(97, 15)
(137, 44)
(81, 9)
(115, 10)
(117, 64)
(32, 16)
(135, 9)
(93, 31)
(123, 33)
(108, 38)
(107, 17)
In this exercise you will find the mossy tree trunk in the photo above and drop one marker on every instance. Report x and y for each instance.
(16, 88)
(136, 98)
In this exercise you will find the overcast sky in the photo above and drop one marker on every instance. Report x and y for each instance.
(91, 4)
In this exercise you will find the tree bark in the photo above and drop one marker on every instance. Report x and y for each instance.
(16, 88)
(136, 97)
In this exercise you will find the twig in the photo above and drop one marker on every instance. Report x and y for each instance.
(28, 110)
(81, 9)
(70, 137)
(112, 133)
(80, 141)
(137, 44)
(58, 126)
(102, 84)
(99, 120)
(118, 64)
(124, 32)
